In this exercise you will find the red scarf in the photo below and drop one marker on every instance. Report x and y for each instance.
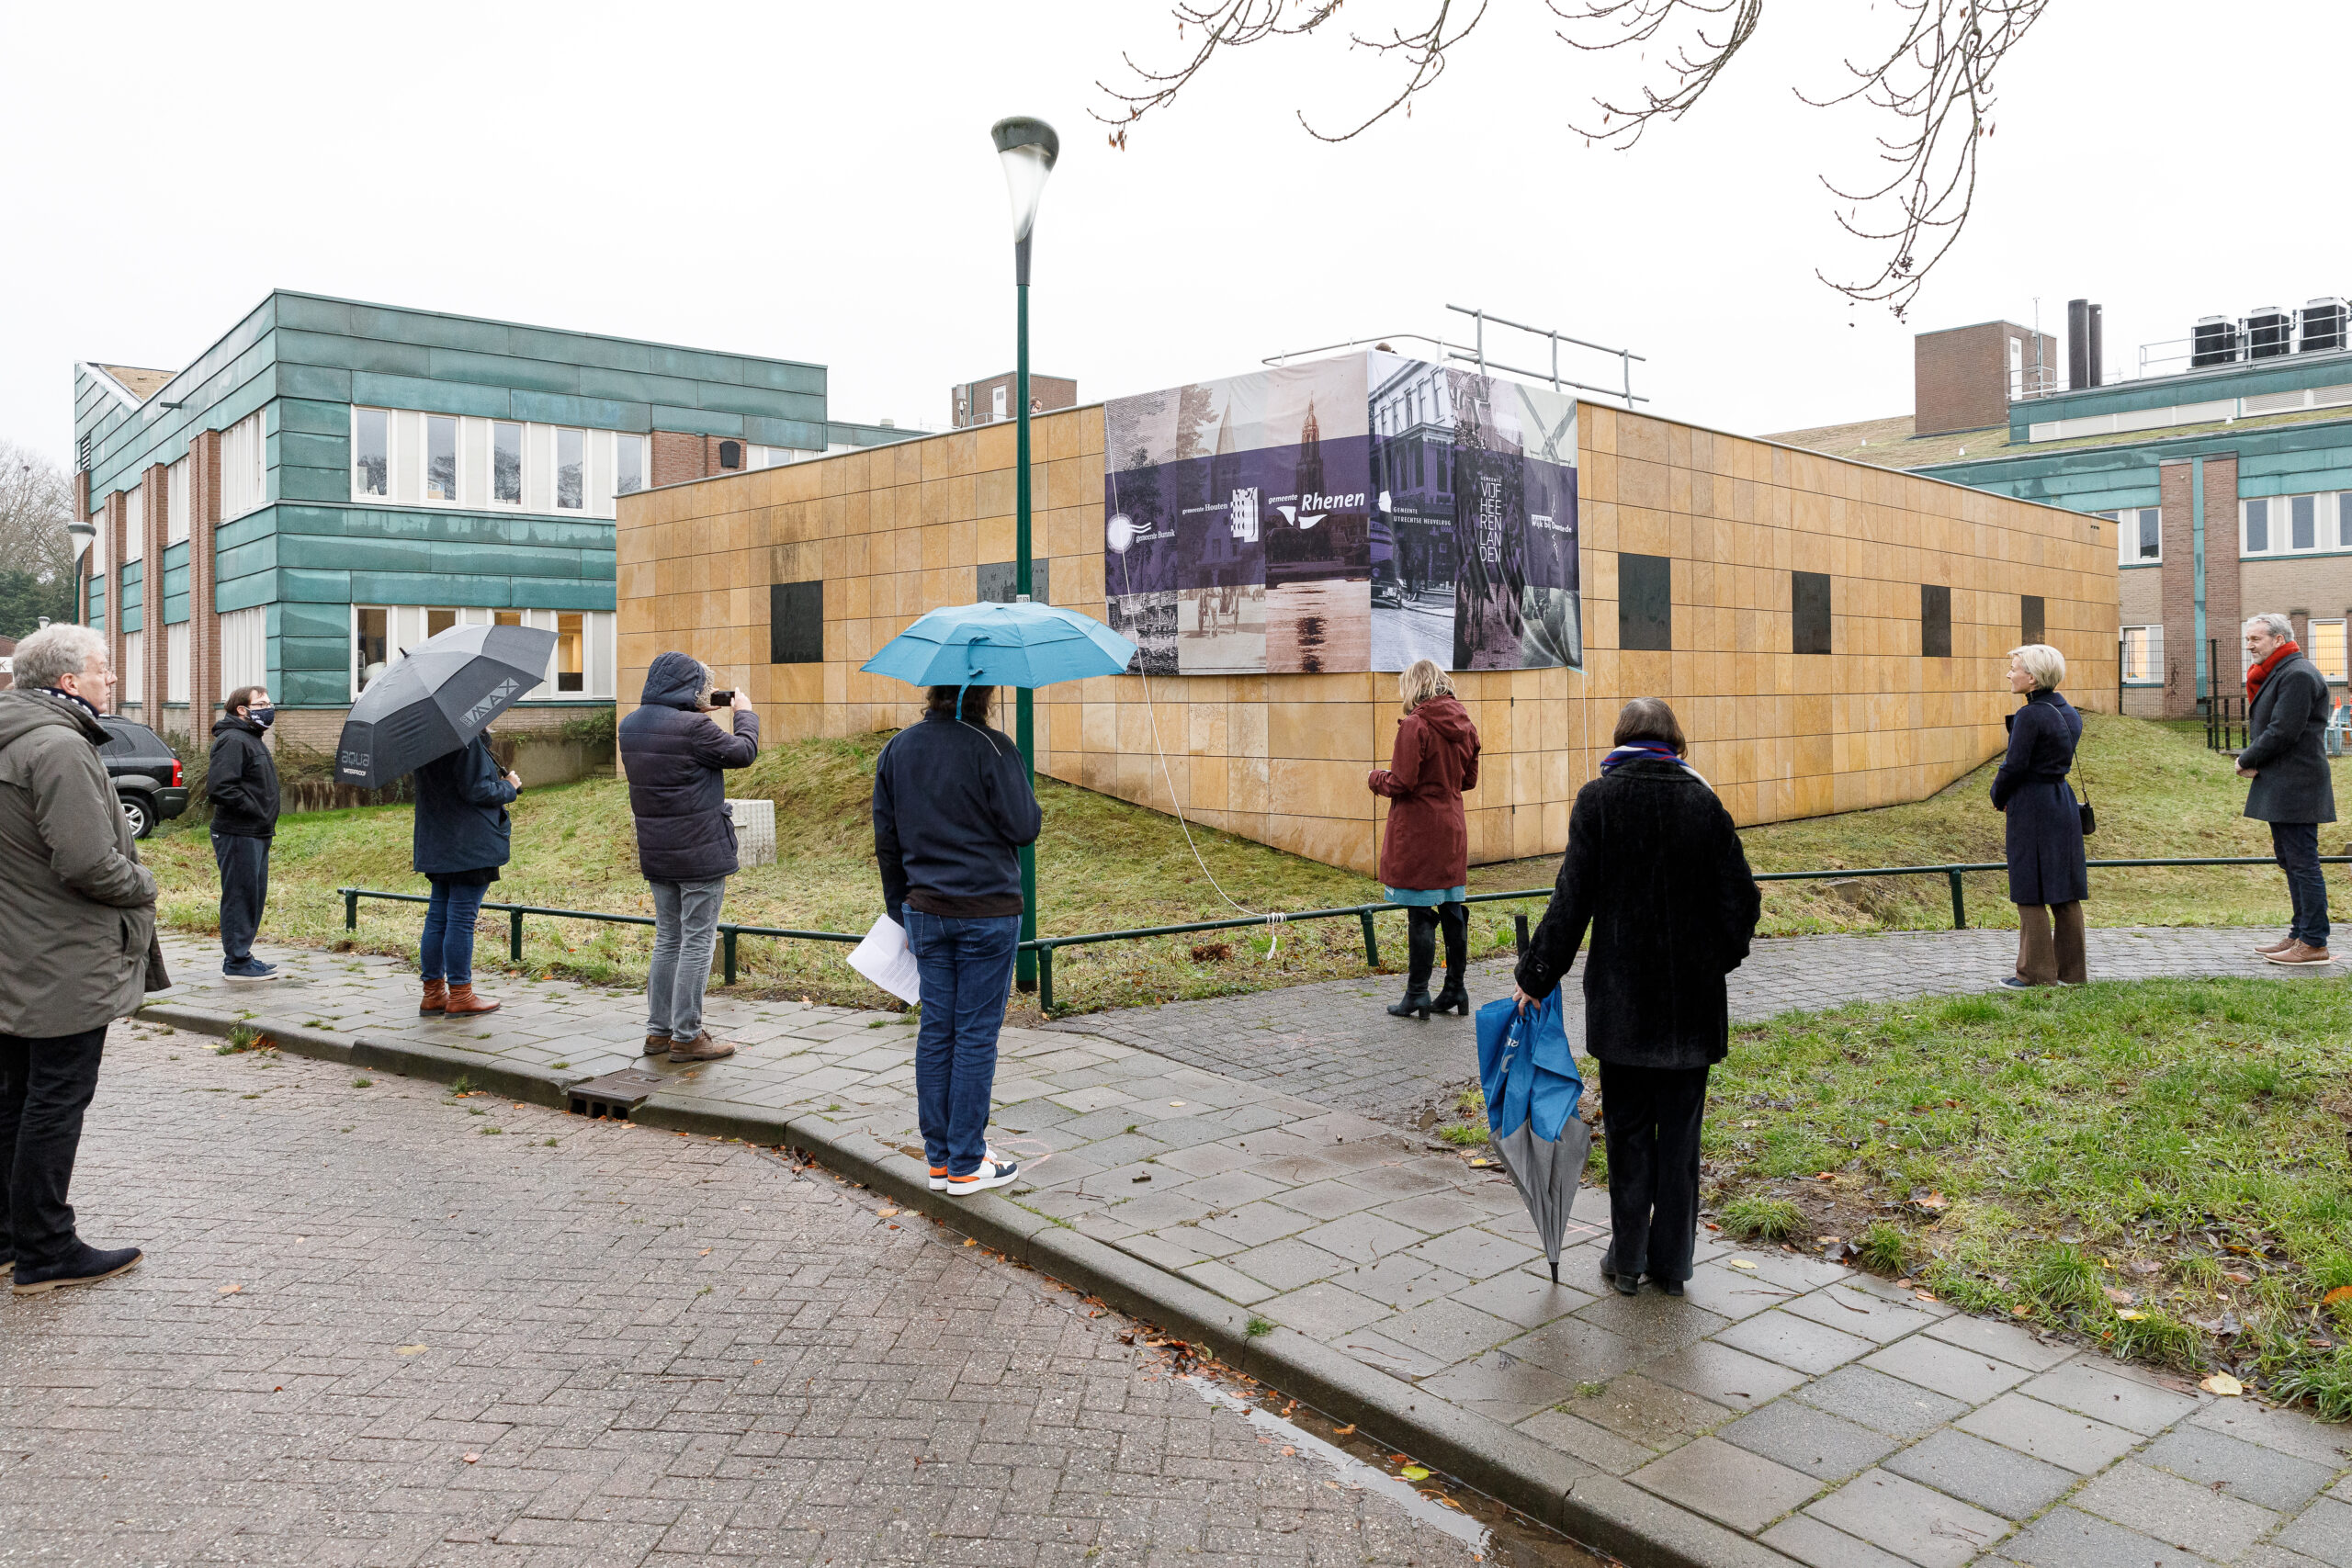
(2261, 673)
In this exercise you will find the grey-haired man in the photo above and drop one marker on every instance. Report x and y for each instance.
(2287, 709)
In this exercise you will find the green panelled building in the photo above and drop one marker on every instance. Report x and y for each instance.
(331, 482)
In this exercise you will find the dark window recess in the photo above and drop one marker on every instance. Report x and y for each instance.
(1645, 603)
(2029, 618)
(730, 454)
(997, 579)
(795, 622)
(1809, 612)
(1935, 622)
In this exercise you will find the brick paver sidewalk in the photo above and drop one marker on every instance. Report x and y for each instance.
(1785, 1409)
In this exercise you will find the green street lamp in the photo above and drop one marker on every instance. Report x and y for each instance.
(1028, 148)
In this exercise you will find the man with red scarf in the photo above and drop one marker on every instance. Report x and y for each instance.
(2286, 707)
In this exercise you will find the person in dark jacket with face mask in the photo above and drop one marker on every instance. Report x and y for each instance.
(462, 838)
(676, 750)
(241, 780)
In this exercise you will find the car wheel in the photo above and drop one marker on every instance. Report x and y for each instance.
(139, 814)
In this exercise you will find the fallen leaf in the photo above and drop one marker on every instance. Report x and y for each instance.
(1286, 1450)
(1347, 1430)
(1176, 1105)
(2241, 1279)
(229, 1290)
(2141, 1266)
(473, 1458)
(2223, 1384)
(1414, 1473)
(969, 1242)
(2021, 1312)
(1742, 1263)
(1932, 1201)
(414, 1349)
(2341, 1294)
(704, 1253)
(2131, 1314)
(886, 1213)
(2119, 1297)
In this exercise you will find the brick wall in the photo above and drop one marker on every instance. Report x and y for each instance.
(156, 640)
(1961, 378)
(678, 457)
(110, 526)
(1047, 392)
(2225, 606)
(204, 624)
(2179, 600)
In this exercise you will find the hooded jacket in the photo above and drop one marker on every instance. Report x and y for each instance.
(675, 755)
(1426, 846)
(77, 910)
(241, 780)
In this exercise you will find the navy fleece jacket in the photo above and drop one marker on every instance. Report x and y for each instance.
(952, 808)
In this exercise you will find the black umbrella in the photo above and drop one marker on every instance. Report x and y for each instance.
(442, 695)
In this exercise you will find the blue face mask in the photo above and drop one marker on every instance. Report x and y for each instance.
(262, 714)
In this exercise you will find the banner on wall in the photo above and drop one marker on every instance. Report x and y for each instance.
(1346, 514)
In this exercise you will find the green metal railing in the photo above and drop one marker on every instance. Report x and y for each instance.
(1044, 947)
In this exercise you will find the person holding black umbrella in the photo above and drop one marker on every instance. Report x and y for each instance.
(462, 837)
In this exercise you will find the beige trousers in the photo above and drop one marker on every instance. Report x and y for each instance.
(2042, 959)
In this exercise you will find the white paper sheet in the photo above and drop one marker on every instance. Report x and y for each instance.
(885, 959)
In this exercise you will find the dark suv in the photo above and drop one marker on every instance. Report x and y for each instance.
(146, 774)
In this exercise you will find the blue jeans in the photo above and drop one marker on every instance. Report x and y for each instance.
(685, 927)
(448, 950)
(2295, 846)
(967, 970)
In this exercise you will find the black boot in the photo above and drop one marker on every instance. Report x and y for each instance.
(1456, 920)
(1420, 947)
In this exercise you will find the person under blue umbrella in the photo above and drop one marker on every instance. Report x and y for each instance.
(952, 806)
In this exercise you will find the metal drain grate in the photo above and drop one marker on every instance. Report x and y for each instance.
(615, 1094)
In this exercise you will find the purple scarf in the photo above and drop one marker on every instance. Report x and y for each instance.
(1642, 751)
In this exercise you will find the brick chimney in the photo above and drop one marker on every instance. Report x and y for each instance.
(1964, 378)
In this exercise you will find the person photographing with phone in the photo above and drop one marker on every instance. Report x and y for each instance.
(676, 749)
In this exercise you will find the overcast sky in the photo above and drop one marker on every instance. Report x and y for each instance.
(817, 183)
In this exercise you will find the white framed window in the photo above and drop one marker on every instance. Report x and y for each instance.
(2143, 656)
(506, 463)
(2325, 643)
(241, 468)
(630, 471)
(571, 469)
(371, 454)
(2139, 535)
(175, 517)
(245, 649)
(134, 523)
(132, 674)
(581, 666)
(2295, 525)
(175, 663)
(441, 458)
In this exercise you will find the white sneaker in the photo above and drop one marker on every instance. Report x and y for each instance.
(939, 1172)
(991, 1172)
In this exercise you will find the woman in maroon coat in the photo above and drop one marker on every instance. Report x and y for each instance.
(1425, 857)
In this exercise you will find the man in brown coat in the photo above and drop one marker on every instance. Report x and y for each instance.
(77, 914)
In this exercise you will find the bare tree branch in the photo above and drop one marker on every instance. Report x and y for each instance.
(1936, 81)
(36, 503)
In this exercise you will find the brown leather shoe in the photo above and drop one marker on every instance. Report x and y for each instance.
(464, 1003)
(2267, 947)
(657, 1044)
(701, 1048)
(436, 997)
(2301, 952)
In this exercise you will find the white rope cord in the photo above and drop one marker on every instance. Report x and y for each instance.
(1151, 713)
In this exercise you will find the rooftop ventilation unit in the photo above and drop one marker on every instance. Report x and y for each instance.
(2215, 342)
(2270, 333)
(2324, 325)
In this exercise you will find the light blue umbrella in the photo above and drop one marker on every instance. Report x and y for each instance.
(1001, 645)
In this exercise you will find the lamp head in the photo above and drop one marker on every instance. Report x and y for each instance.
(84, 535)
(1028, 148)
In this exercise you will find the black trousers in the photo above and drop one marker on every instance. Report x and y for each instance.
(45, 1086)
(2295, 846)
(245, 888)
(1651, 1116)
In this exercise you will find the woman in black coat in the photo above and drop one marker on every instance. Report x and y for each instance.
(461, 840)
(2048, 880)
(1655, 867)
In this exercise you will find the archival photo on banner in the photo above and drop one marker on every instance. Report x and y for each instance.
(1349, 514)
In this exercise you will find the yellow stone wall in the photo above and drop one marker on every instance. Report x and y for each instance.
(1281, 758)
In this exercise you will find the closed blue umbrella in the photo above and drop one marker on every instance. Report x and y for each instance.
(1001, 645)
(1531, 1085)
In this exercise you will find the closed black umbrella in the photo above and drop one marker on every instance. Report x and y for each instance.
(442, 695)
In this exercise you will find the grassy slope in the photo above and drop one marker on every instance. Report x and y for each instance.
(2177, 1149)
(1106, 864)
